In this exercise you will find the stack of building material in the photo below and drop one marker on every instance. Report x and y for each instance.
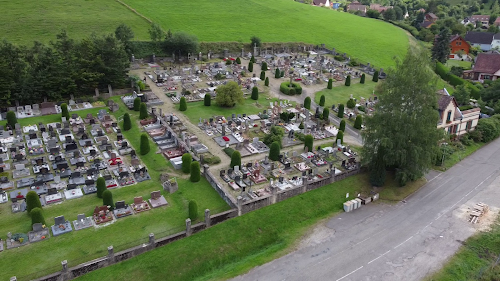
(479, 210)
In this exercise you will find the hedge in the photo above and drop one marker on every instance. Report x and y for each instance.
(285, 88)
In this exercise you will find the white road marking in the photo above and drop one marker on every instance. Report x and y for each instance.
(404, 242)
(379, 257)
(349, 273)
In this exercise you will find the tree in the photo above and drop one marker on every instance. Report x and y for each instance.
(262, 75)
(326, 114)
(101, 186)
(441, 47)
(375, 76)
(462, 94)
(308, 142)
(301, 125)
(127, 123)
(11, 119)
(32, 201)
(378, 170)
(207, 100)
(340, 136)
(235, 159)
(64, 111)
(330, 84)
(143, 111)
(107, 199)
(274, 151)
(351, 103)
(182, 43)
(358, 122)
(264, 66)
(228, 95)
(193, 210)
(307, 103)
(372, 14)
(183, 104)
(493, 28)
(144, 144)
(348, 80)
(137, 104)
(277, 73)
(342, 125)
(250, 66)
(252, 59)
(406, 100)
(341, 111)
(156, 34)
(187, 159)
(124, 34)
(255, 93)
(37, 216)
(266, 82)
(195, 174)
(238, 60)
(389, 15)
(362, 81)
(322, 100)
(255, 41)
(275, 135)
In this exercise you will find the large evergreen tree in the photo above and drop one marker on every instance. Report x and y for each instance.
(228, 95)
(274, 151)
(101, 186)
(235, 159)
(127, 123)
(307, 103)
(255, 93)
(32, 201)
(143, 111)
(107, 199)
(441, 47)
(308, 142)
(407, 99)
(144, 144)
(322, 100)
(195, 172)
(186, 162)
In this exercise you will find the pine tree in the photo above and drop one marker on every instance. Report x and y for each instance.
(235, 159)
(143, 111)
(127, 123)
(340, 136)
(137, 104)
(250, 66)
(363, 77)
(266, 82)
(107, 199)
(262, 75)
(101, 186)
(186, 163)
(183, 104)
(32, 201)
(195, 174)
(255, 93)
(144, 144)
(308, 142)
(274, 151)
(330, 84)
(342, 125)
(307, 103)
(252, 59)
(64, 111)
(341, 111)
(193, 210)
(277, 73)
(37, 216)
(441, 47)
(322, 100)
(264, 66)
(375, 76)
(358, 122)
(11, 119)
(238, 60)
(351, 104)
(326, 114)
(348, 80)
(207, 100)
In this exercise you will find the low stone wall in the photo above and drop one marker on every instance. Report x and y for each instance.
(289, 193)
(218, 218)
(255, 204)
(215, 184)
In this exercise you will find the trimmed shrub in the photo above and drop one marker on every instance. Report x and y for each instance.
(277, 73)
(292, 92)
(32, 201)
(183, 104)
(285, 88)
(363, 77)
(264, 66)
(262, 75)
(107, 199)
(326, 114)
(101, 186)
(195, 174)
(475, 93)
(489, 128)
(308, 142)
(342, 125)
(282, 73)
(330, 84)
(141, 85)
(348, 80)
(193, 210)
(322, 100)
(274, 151)
(11, 119)
(266, 82)
(229, 151)
(442, 71)
(143, 111)
(455, 80)
(127, 123)
(361, 108)
(252, 59)
(235, 159)
(186, 162)
(255, 93)
(238, 60)
(250, 66)
(207, 100)
(144, 144)
(307, 103)
(351, 103)
(137, 104)
(64, 111)
(301, 126)
(358, 122)
(375, 76)
(37, 216)
(341, 111)
(340, 136)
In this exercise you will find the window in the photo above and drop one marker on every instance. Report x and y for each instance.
(468, 126)
(449, 129)
(448, 118)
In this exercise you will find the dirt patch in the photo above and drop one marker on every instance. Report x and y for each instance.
(317, 235)
(485, 221)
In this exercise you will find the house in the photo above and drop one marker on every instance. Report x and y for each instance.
(379, 8)
(451, 119)
(486, 67)
(483, 19)
(497, 22)
(335, 5)
(495, 44)
(457, 44)
(321, 3)
(429, 20)
(480, 39)
(356, 6)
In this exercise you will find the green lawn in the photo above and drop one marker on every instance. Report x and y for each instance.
(25, 21)
(459, 156)
(46, 119)
(465, 64)
(341, 94)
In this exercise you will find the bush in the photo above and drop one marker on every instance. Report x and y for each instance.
(277, 73)
(466, 140)
(361, 108)
(183, 104)
(341, 111)
(107, 199)
(186, 162)
(141, 85)
(252, 59)
(250, 66)
(339, 58)
(211, 159)
(264, 66)
(326, 114)
(229, 151)
(351, 103)
(195, 175)
(455, 80)
(266, 82)
(285, 88)
(442, 71)
(301, 126)
(137, 104)
(322, 100)
(193, 210)
(282, 74)
(101, 186)
(229, 62)
(37, 216)
(348, 80)
(308, 142)
(330, 84)
(375, 76)
(358, 122)
(144, 144)
(262, 75)
(238, 60)
(274, 151)
(143, 111)
(307, 103)
(340, 136)
(342, 125)
(235, 159)
(377, 175)
(489, 128)
(255, 93)
(32, 201)
(64, 111)
(207, 100)
(475, 135)
(127, 123)
(292, 92)
(11, 119)
(465, 107)
(363, 77)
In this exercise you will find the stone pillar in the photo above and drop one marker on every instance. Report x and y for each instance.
(242, 52)
(111, 255)
(110, 90)
(188, 227)
(65, 275)
(205, 169)
(96, 92)
(304, 184)
(207, 218)
(151, 241)
(274, 190)
(239, 205)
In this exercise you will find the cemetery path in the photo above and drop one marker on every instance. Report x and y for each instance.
(405, 241)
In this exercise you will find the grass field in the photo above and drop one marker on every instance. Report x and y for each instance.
(459, 156)
(341, 94)
(235, 246)
(465, 64)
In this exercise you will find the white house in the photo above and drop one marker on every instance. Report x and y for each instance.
(451, 119)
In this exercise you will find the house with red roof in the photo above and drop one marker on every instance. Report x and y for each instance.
(486, 67)
(457, 45)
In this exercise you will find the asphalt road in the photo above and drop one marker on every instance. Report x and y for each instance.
(405, 241)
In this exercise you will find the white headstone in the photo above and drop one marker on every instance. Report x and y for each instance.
(20, 166)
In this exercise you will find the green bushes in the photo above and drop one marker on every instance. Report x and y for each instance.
(127, 123)
(358, 122)
(285, 88)
(183, 104)
(235, 159)
(375, 76)
(274, 151)
(255, 93)
(489, 128)
(442, 71)
(301, 126)
(238, 60)
(252, 59)
(342, 125)
(186, 162)
(107, 199)
(229, 151)
(455, 80)
(101, 186)
(195, 174)
(341, 111)
(144, 144)
(250, 66)
(340, 136)
(326, 114)
(262, 75)
(64, 111)
(307, 103)
(266, 82)
(363, 77)
(322, 100)
(277, 73)
(211, 159)
(137, 104)
(11, 119)
(308, 143)
(37, 216)
(193, 210)
(207, 100)
(32, 201)
(143, 111)
(348, 80)
(330, 84)
(264, 67)
(351, 103)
